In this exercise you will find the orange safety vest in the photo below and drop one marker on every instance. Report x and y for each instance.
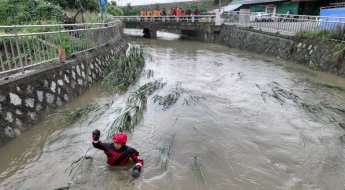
(178, 12)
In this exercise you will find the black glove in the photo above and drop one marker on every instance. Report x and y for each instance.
(95, 135)
(136, 171)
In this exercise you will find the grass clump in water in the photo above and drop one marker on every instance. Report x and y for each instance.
(125, 71)
(62, 188)
(136, 104)
(149, 74)
(332, 86)
(74, 115)
(75, 162)
(197, 172)
(167, 101)
(100, 111)
(165, 152)
(172, 98)
(68, 117)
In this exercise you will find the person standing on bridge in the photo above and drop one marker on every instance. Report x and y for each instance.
(142, 14)
(289, 13)
(188, 12)
(164, 12)
(149, 12)
(196, 11)
(174, 11)
(118, 153)
(154, 12)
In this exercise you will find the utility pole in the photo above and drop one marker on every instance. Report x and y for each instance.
(220, 5)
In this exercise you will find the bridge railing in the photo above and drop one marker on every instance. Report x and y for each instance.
(289, 24)
(24, 46)
(195, 18)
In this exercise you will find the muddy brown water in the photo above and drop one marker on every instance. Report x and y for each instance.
(261, 123)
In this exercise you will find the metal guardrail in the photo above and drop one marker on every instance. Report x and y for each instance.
(24, 46)
(195, 18)
(283, 23)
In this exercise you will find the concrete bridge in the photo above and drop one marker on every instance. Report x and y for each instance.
(195, 27)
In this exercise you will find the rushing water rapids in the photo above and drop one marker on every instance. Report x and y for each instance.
(258, 123)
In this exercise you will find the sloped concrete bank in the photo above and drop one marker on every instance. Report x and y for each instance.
(26, 100)
(328, 57)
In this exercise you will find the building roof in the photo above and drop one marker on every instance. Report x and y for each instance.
(227, 8)
(244, 2)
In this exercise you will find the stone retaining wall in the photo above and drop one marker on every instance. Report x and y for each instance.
(26, 100)
(316, 55)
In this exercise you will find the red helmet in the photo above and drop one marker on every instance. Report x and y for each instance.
(120, 137)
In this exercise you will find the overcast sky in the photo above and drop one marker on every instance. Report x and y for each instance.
(144, 2)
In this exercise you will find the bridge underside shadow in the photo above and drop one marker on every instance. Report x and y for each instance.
(204, 31)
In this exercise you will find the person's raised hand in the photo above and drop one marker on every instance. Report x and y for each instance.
(95, 135)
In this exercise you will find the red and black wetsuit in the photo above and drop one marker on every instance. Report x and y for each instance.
(119, 157)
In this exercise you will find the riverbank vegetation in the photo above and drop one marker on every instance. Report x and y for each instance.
(28, 11)
(18, 12)
(322, 35)
(338, 34)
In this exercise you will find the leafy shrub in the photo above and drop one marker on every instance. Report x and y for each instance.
(339, 54)
(338, 33)
(46, 11)
(89, 5)
(113, 10)
(322, 35)
(66, 44)
(13, 12)
(313, 66)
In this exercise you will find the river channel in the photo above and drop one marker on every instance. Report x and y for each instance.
(257, 123)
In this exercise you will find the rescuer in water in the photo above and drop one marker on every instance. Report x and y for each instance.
(118, 153)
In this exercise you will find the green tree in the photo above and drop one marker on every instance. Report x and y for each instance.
(63, 3)
(114, 10)
(113, 3)
(90, 5)
(23, 11)
(128, 6)
(46, 11)
(128, 10)
(157, 6)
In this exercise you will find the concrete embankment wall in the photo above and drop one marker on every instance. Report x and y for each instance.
(316, 55)
(26, 100)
